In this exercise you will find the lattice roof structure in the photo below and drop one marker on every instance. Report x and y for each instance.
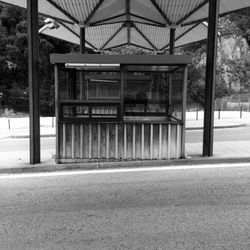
(142, 23)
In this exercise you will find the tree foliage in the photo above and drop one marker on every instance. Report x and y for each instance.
(14, 62)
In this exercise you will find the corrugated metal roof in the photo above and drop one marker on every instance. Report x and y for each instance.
(108, 36)
(118, 40)
(80, 10)
(144, 22)
(226, 6)
(146, 9)
(109, 9)
(163, 11)
(158, 36)
(176, 10)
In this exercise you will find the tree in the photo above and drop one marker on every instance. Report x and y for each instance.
(14, 90)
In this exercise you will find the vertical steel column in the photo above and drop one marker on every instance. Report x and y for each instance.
(172, 41)
(82, 51)
(210, 77)
(184, 106)
(82, 40)
(171, 52)
(34, 93)
(58, 156)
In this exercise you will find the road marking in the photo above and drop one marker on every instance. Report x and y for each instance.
(123, 170)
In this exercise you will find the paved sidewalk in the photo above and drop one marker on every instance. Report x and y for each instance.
(223, 151)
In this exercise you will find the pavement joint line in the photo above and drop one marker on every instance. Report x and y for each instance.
(123, 170)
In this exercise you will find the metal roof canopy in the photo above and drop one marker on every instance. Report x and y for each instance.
(160, 13)
(142, 23)
(114, 35)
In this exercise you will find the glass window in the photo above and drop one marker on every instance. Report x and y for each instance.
(145, 93)
(102, 85)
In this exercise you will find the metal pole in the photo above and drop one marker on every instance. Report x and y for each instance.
(82, 40)
(210, 77)
(82, 51)
(171, 52)
(34, 97)
(184, 106)
(172, 41)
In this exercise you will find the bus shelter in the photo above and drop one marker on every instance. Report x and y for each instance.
(120, 107)
(126, 19)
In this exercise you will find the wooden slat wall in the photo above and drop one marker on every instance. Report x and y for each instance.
(116, 141)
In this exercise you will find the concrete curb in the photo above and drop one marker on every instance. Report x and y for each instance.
(52, 167)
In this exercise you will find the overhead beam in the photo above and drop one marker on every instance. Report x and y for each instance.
(76, 34)
(93, 12)
(150, 21)
(210, 77)
(161, 12)
(111, 38)
(63, 11)
(144, 36)
(181, 35)
(106, 20)
(192, 12)
(34, 93)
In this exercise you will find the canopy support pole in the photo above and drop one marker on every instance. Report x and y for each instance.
(210, 77)
(82, 75)
(34, 93)
(171, 52)
(172, 41)
(82, 40)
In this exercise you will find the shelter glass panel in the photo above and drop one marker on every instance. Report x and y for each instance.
(146, 91)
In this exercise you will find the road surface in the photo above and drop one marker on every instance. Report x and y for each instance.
(207, 208)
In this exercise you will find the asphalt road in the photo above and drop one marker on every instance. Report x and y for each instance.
(174, 209)
(192, 136)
